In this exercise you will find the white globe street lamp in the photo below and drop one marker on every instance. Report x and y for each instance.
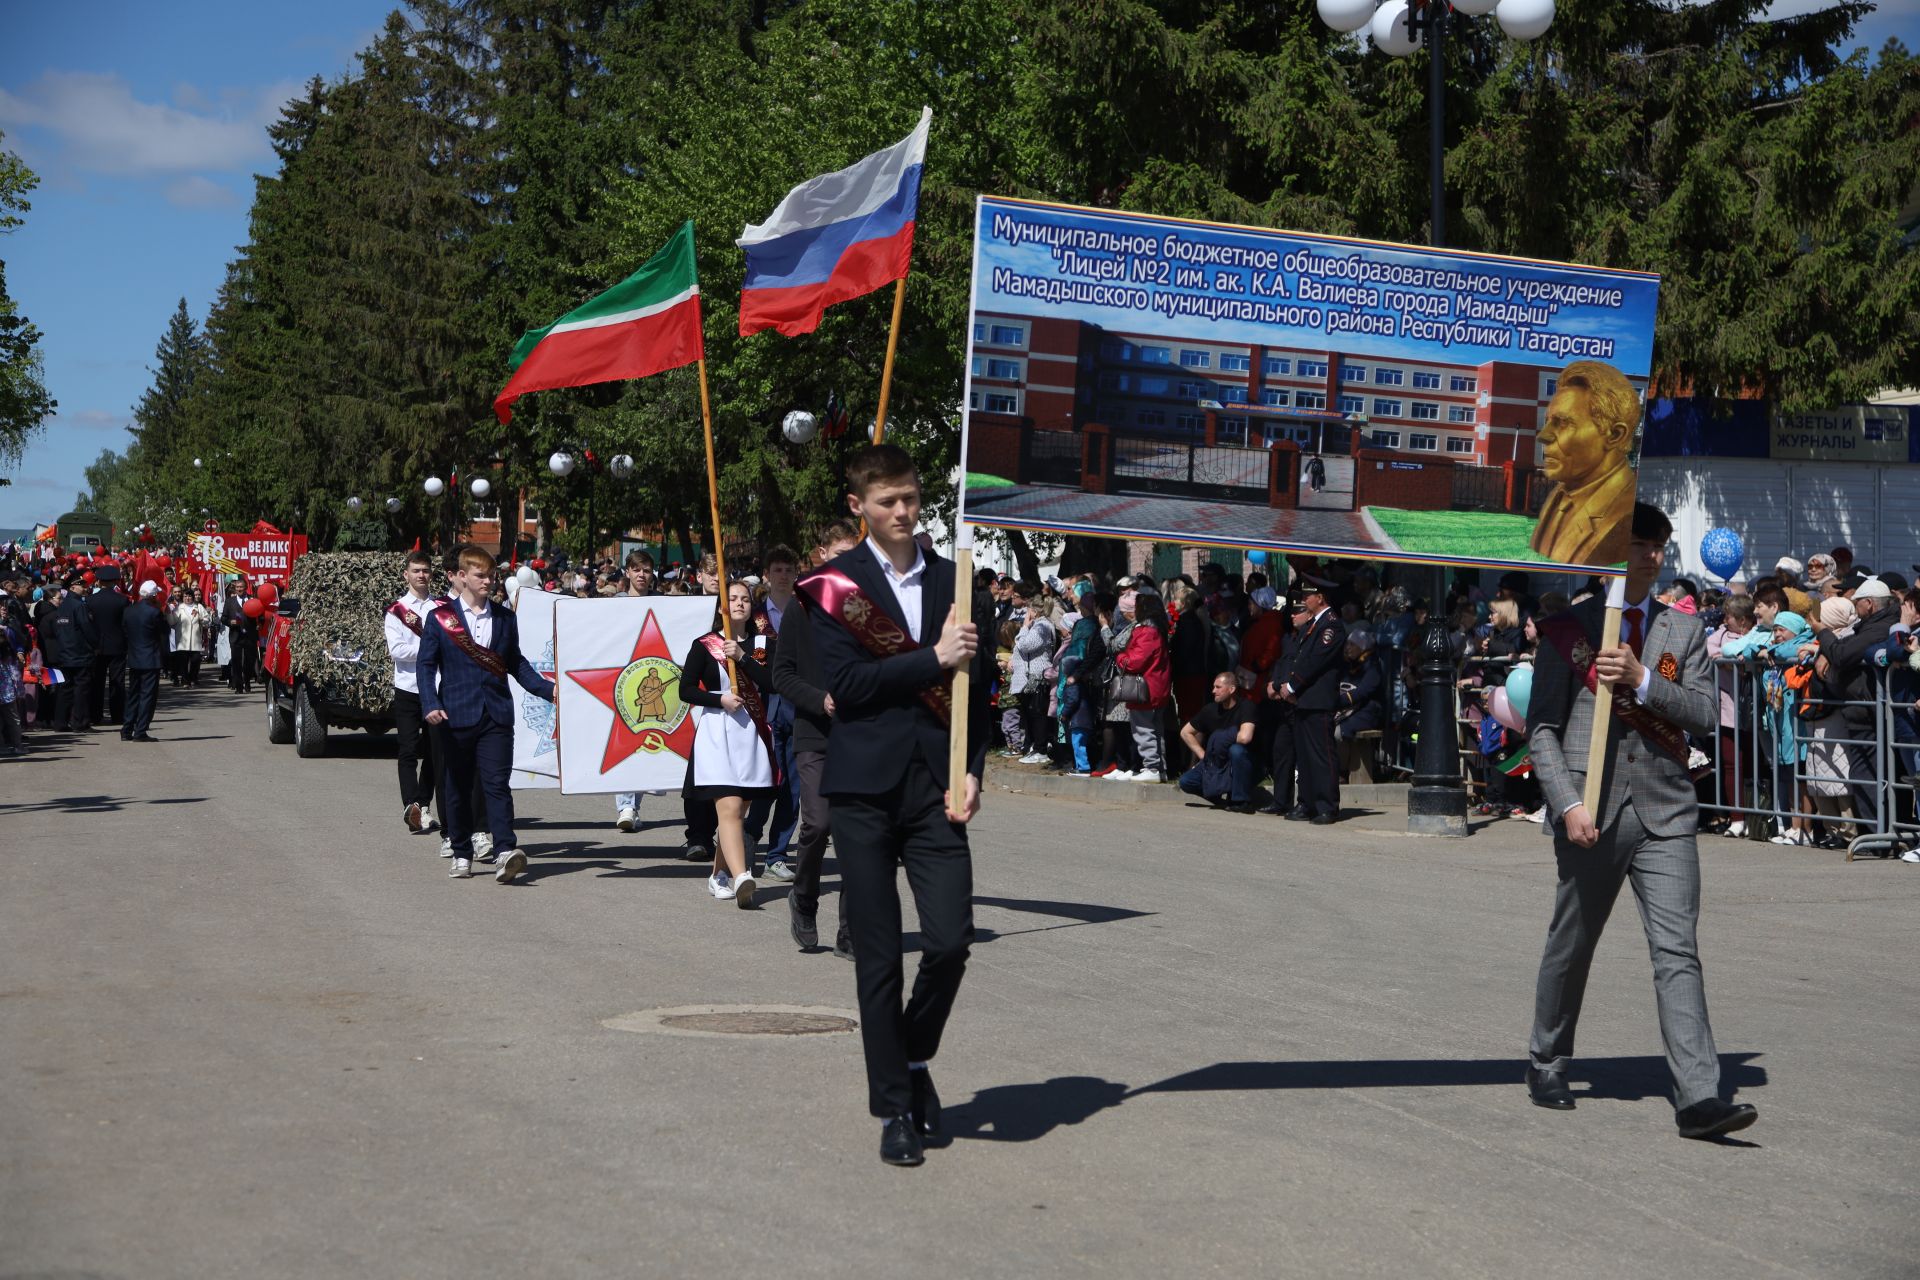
(799, 426)
(561, 464)
(1346, 15)
(621, 465)
(354, 504)
(434, 486)
(1524, 19)
(1393, 30)
(480, 487)
(393, 506)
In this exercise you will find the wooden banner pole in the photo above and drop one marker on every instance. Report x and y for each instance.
(1603, 702)
(962, 676)
(713, 506)
(886, 370)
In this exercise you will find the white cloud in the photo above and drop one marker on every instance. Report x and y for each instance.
(196, 192)
(96, 124)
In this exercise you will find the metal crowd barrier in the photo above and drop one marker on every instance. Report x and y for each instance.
(1875, 766)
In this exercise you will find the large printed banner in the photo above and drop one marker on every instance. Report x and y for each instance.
(261, 557)
(1145, 377)
(536, 741)
(617, 670)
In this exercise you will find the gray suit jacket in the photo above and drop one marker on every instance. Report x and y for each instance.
(1560, 726)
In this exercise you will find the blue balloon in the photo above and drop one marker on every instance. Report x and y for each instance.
(1723, 553)
(1520, 690)
(1257, 557)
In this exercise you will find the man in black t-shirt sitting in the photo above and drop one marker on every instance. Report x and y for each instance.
(1220, 735)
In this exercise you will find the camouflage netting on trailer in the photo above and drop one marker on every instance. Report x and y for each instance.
(339, 638)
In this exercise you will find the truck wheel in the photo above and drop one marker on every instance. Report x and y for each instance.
(377, 729)
(279, 718)
(309, 732)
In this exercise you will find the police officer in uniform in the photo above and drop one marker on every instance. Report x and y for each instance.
(1279, 712)
(1312, 690)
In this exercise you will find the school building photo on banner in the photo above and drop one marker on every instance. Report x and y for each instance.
(1143, 377)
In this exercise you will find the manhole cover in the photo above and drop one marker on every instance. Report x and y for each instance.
(737, 1020)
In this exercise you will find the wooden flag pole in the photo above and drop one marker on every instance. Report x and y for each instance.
(1603, 702)
(886, 370)
(962, 676)
(713, 506)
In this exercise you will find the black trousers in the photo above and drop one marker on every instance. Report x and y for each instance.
(873, 837)
(479, 755)
(1285, 757)
(109, 705)
(73, 697)
(418, 775)
(810, 845)
(1313, 746)
(703, 816)
(143, 691)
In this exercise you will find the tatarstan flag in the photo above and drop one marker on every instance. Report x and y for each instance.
(648, 323)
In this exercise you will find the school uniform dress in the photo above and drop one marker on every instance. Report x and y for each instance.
(730, 758)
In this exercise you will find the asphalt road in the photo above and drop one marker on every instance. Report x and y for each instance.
(250, 1028)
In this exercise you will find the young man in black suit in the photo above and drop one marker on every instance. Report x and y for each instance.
(144, 630)
(882, 619)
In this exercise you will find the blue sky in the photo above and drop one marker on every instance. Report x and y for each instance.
(145, 123)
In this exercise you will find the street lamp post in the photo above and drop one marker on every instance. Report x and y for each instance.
(1436, 802)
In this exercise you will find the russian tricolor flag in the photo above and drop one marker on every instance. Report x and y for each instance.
(834, 237)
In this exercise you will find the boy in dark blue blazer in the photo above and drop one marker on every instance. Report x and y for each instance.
(468, 648)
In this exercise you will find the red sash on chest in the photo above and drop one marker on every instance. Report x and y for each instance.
(450, 621)
(1564, 632)
(880, 635)
(408, 617)
(749, 693)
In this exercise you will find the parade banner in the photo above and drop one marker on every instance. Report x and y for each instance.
(536, 741)
(617, 671)
(259, 557)
(1158, 378)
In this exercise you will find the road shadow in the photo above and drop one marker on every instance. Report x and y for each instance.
(93, 804)
(1075, 915)
(1025, 1112)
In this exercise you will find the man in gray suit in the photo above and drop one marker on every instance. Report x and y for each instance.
(1644, 831)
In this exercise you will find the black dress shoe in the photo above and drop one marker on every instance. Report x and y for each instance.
(1324, 819)
(1297, 814)
(843, 947)
(801, 926)
(144, 737)
(1714, 1117)
(1548, 1089)
(900, 1145)
(926, 1105)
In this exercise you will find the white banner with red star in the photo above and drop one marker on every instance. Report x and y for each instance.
(536, 742)
(617, 669)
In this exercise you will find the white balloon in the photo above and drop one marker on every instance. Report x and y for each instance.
(1391, 34)
(1524, 19)
(561, 464)
(799, 426)
(1474, 8)
(434, 486)
(526, 576)
(1346, 15)
(480, 487)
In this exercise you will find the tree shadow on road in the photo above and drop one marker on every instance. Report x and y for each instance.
(1074, 913)
(1025, 1112)
(93, 804)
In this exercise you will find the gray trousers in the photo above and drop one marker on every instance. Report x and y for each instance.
(1146, 740)
(1665, 871)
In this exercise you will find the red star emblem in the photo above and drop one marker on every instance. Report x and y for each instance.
(602, 683)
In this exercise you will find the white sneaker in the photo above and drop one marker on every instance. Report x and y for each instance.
(780, 871)
(1539, 816)
(1035, 757)
(1737, 830)
(743, 891)
(628, 819)
(446, 846)
(510, 867)
(1123, 775)
(720, 885)
(1911, 855)
(482, 847)
(462, 869)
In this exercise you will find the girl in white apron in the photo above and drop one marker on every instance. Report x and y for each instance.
(732, 745)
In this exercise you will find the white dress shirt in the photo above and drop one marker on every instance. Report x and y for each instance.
(403, 646)
(479, 621)
(906, 586)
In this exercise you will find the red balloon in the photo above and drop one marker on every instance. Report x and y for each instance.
(268, 593)
(537, 565)
(162, 561)
(87, 577)
(253, 608)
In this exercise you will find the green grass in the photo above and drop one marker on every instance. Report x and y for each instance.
(981, 480)
(1481, 535)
